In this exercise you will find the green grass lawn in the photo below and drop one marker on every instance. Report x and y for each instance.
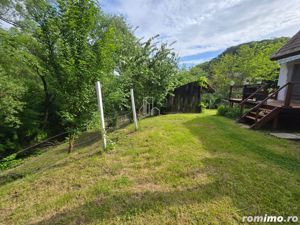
(177, 169)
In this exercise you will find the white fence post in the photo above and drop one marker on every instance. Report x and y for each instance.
(133, 109)
(100, 107)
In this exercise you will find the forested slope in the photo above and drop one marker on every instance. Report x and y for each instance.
(246, 63)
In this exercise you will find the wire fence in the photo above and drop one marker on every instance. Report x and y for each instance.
(49, 142)
(111, 123)
(118, 121)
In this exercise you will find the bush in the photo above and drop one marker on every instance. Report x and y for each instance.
(211, 100)
(222, 109)
(230, 112)
(203, 106)
(9, 162)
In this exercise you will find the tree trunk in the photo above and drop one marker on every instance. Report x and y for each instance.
(71, 143)
(47, 99)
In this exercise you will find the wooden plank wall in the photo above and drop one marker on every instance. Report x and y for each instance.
(185, 99)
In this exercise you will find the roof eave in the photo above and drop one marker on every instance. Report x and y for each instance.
(275, 57)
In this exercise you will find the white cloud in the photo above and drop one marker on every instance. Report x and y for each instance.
(193, 61)
(200, 26)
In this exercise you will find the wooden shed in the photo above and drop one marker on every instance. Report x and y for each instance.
(186, 98)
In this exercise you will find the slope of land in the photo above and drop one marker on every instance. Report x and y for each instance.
(177, 169)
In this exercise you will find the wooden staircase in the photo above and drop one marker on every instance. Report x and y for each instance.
(259, 116)
(262, 113)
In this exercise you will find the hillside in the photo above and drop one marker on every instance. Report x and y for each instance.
(246, 63)
(183, 168)
(234, 50)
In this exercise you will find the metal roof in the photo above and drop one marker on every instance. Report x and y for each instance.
(291, 48)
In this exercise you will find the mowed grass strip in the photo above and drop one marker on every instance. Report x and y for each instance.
(177, 169)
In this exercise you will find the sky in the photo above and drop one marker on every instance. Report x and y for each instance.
(202, 29)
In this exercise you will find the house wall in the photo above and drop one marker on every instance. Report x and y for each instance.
(296, 80)
(286, 71)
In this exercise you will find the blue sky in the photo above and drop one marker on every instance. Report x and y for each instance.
(203, 29)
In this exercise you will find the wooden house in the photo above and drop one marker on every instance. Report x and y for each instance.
(186, 98)
(281, 106)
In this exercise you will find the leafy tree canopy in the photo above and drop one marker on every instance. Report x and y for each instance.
(56, 50)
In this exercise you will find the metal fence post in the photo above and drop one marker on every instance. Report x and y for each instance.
(100, 107)
(133, 109)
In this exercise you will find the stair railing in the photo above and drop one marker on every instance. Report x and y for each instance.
(231, 92)
(242, 103)
(266, 99)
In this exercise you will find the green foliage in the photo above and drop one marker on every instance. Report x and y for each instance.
(11, 106)
(249, 62)
(11, 103)
(76, 61)
(222, 109)
(203, 82)
(51, 62)
(230, 112)
(210, 100)
(152, 71)
(9, 162)
(203, 105)
(189, 75)
(19, 91)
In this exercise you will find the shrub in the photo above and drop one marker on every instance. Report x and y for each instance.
(222, 109)
(211, 100)
(9, 161)
(230, 112)
(203, 106)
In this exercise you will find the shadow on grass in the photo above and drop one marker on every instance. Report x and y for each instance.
(252, 189)
(10, 178)
(249, 197)
(85, 140)
(242, 159)
(131, 204)
(218, 133)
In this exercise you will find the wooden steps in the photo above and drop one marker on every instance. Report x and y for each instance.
(258, 117)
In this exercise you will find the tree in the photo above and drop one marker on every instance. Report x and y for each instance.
(64, 46)
(74, 83)
(19, 86)
(11, 106)
(152, 71)
(247, 62)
